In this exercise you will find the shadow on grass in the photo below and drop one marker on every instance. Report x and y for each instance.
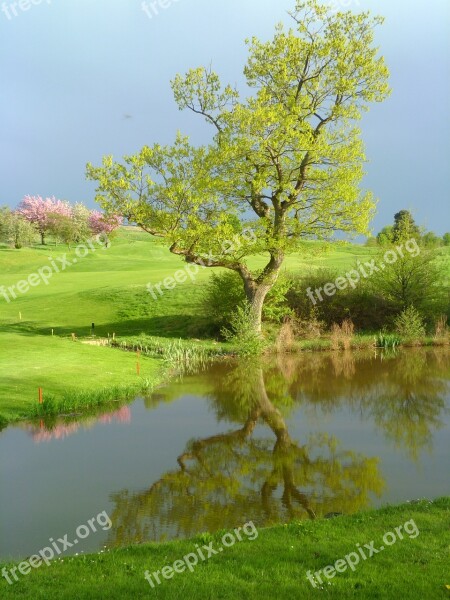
(170, 326)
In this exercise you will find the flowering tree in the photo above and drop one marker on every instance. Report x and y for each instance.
(41, 213)
(102, 223)
(80, 218)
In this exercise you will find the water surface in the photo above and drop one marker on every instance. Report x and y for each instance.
(292, 438)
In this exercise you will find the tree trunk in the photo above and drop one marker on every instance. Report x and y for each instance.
(43, 238)
(256, 290)
(256, 296)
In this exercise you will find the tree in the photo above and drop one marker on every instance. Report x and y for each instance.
(286, 160)
(62, 227)
(386, 236)
(40, 212)
(80, 217)
(416, 278)
(404, 227)
(14, 229)
(104, 223)
(446, 239)
(431, 240)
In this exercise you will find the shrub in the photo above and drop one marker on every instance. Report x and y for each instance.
(415, 279)
(242, 334)
(367, 310)
(286, 336)
(341, 335)
(224, 294)
(311, 327)
(409, 324)
(440, 327)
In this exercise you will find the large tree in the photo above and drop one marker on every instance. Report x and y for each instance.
(404, 227)
(285, 160)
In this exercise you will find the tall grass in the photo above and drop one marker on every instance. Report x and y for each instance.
(80, 402)
(342, 335)
(177, 354)
(388, 341)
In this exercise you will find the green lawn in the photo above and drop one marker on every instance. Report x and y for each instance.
(272, 565)
(108, 288)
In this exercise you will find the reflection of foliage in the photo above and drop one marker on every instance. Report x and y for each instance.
(410, 404)
(239, 390)
(229, 477)
(403, 392)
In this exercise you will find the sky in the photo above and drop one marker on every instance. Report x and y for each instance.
(81, 79)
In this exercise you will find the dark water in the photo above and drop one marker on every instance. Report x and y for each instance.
(293, 438)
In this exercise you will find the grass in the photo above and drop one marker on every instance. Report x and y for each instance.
(66, 371)
(108, 288)
(274, 565)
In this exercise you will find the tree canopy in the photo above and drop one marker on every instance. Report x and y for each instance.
(286, 159)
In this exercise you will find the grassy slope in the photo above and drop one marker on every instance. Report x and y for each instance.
(272, 566)
(107, 288)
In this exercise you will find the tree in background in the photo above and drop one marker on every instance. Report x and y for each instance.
(80, 218)
(386, 236)
(431, 240)
(14, 229)
(41, 212)
(286, 160)
(416, 278)
(63, 228)
(100, 223)
(446, 239)
(404, 227)
(65, 222)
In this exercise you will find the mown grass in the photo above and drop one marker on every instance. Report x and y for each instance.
(274, 565)
(108, 288)
(70, 374)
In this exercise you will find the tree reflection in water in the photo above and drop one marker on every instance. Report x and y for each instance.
(226, 479)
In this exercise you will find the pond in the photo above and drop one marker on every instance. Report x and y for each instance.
(291, 438)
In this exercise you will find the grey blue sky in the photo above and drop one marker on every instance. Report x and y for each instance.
(84, 78)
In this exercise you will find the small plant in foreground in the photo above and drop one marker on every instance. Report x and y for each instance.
(409, 324)
(242, 334)
(342, 335)
(388, 341)
(440, 328)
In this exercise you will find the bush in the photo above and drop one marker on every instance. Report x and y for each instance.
(224, 294)
(440, 327)
(409, 324)
(412, 280)
(311, 327)
(286, 337)
(242, 332)
(366, 310)
(341, 335)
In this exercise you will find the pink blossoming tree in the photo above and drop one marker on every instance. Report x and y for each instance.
(41, 212)
(100, 223)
